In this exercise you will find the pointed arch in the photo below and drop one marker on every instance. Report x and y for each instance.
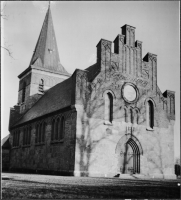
(124, 139)
(122, 149)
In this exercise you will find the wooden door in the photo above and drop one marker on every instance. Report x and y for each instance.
(126, 160)
(129, 160)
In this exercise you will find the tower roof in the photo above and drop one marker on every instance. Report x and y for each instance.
(46, 56)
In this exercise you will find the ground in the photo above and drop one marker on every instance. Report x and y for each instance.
(35, 186)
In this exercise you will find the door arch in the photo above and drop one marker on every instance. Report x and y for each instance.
(129, 150)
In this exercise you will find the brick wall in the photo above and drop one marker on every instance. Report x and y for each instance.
(48, 157)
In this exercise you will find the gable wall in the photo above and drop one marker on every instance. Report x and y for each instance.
(96, 140)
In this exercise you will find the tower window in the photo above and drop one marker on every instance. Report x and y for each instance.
(41, 86)
(23, 92)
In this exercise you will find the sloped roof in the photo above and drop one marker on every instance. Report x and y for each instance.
(54, 99)
(5, 142)
(93, 70)
(46, 54)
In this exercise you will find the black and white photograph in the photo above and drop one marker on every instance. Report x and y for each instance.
(90, 100)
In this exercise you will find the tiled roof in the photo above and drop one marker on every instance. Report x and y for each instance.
(46, 54)
(54, 99)
(93, 71)
(5, 142)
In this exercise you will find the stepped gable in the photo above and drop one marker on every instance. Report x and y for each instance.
(54, 99)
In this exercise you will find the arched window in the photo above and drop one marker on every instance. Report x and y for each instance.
(23, 92)
(62, 128)
(125, 115)
(150, 114)
(109, 107)
(41, 86)
(16, 136)
(131, 116)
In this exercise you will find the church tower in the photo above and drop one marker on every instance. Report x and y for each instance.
(45, 69)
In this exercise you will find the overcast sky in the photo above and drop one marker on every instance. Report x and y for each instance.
(78, 27)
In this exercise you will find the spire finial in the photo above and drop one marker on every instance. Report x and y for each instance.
(49, 4)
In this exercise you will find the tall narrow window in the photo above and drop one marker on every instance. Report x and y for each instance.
(43, 132)
(109, 107)
(53, 130)
(125, 115)
(16, 136)
(29, 135)
(131, 116)
(57, 128)
(23, 92)
(172, 107)
(136, 117)
(150, 114)
(39, 133)
(36, 135)
(62, 128)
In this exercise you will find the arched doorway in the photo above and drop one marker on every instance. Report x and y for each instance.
(129, 150)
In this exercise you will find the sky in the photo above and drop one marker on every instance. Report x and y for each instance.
(79, 26)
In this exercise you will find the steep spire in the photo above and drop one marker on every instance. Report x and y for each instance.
(46, 54)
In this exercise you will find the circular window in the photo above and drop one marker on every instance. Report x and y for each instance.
(129, 92)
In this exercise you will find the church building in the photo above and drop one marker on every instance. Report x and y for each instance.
(108, 119)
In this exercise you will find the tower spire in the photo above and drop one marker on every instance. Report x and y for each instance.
(46, 54)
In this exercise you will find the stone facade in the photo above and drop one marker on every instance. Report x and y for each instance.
(117, 121)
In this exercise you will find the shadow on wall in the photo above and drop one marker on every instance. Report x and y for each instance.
(93, 103)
